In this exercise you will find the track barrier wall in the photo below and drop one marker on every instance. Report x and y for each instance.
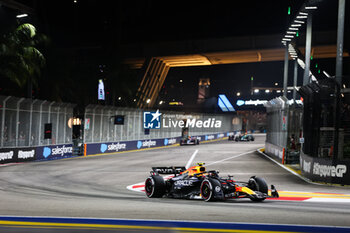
(25, 154)
(113, 147)
(52, 152)
(325, 170)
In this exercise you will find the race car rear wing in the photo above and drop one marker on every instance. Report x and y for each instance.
(168, 170)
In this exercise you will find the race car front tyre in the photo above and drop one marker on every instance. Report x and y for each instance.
(258, 184)
(155, 186)
(210, 189)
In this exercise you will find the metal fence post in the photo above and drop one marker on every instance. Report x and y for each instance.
(57, 124)
(121, 129)
(93, 124)
(64, 124)
(17, 120)
(40, 121)
(49, 116)
(285, 75)
(306, 79)
(31, 122)
(101, 125)
(3, 120)
(340, 42)
(134, 126)
(295, 80)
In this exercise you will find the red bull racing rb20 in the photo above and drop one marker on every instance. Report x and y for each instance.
(197, 183)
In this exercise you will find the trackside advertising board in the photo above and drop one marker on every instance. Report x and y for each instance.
(113, 147)
(54, 151)
(50, 152)
(24, 154)
(325, 170)
(15, 155)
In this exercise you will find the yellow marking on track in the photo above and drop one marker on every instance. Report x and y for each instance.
(310, 194)
(110, 226)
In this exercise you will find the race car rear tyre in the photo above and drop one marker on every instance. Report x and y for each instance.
(155, 186)
(258, 184)
(208, 189)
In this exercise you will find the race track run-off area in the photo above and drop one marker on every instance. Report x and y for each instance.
(110, 187)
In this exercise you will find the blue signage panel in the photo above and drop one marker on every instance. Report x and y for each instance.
(225, 104)
(113, 147)
(54, 152)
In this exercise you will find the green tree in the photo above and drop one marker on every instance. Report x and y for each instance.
(20, 60)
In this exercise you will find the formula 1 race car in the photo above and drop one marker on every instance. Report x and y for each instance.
(186, 139)
(197, 183)
(189, 141)
(242, 137)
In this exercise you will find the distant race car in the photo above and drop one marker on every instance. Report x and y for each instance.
(242, 137)
(197, 183)
(189, 141)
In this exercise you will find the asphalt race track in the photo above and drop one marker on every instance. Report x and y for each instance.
(95, 187)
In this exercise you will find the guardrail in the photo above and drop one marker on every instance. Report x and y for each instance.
(26, 154)
(52, 152)
(113, 147)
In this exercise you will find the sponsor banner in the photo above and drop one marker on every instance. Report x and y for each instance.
(26, 154)
(113, 147)
(171, 141)
(8, 155)
(325, 170)
(14, 155)
(209, 137)
(54, 151)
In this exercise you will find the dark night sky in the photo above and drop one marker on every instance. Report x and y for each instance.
(107, 25)
(89, 21)
(93, 22)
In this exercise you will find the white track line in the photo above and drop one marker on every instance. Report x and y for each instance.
(233, 157)
(191, 159)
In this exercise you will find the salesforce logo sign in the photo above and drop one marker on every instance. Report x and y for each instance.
(57, 151)
(240, 102)
(139, 144)
(46, 152)
(103, 148)
(146, 143)
(113, 147)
